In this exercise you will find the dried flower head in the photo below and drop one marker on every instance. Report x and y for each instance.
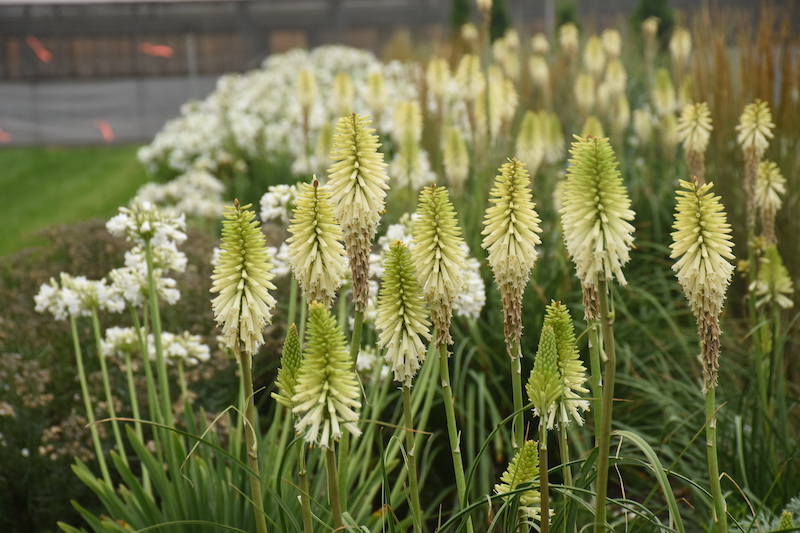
(439, 256)
(326, 390)
(596, 217)
(242, 279)
(702, 246)
(316, 252)
(570, 366)
(774, 285)
(511, 228)
(523, 469)
(545, 385)
(770, 187)
(291, 358)
(358, 184)
(402, 315)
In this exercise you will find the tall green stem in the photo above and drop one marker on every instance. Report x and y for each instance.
(452, 430)
(609, 376)
(596, 380)
(344, 445)
(305, 497)
(112, 411)
(152, 395)
(416, 508)
(563, 447)
(518, 424)
(544, 477)
(161, 367)
(87, 403)
(333, 488)
(251, 438)
(720, 516)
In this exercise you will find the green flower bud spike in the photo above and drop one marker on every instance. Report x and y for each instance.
(358, 184)
(287, 373)
(402, 315)
(439, 256)
(596, 217)
(545, 386)
(326, 393)
(570, 367)
(524, 468)
(774, 285)
(511, 228)
(242, 278)
(316, 252)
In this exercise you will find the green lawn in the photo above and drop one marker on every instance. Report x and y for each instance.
(47, 186)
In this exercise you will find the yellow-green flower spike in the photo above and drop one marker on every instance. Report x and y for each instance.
(402, 315)
(592, 127)
(455, 156)
(316, 252)
(291, 358)
(545, 386)
(702, 246)
(439, 256)
(595, 216)
(470, 78)
(358, 184)
(570, 366)
(523, 469)
(326, 393)
(242, 278)
(511, 228)
(774, 285)
(530, 140)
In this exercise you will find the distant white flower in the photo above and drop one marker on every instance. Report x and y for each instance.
(278, 202)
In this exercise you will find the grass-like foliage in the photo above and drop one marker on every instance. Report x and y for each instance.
(646, 313)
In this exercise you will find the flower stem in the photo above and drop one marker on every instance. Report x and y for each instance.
(87, 402)
(305, 498)
(719, 514)
(516, 386)
(152, 396)
(344, 445)
(452, 430)
(333, 488)
(596, 380)
(604, 440)
(563, 447)
(251, 438)
(416, 508)
(161, 367)
(544, 482)
(112, 411)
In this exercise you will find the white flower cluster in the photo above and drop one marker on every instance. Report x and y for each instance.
(184, 347)
(196, 192)
(144, 221)
(78, 296)
(278, 202)
(260, 112)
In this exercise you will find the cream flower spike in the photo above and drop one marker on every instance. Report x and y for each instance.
(694, 132)
(316, 252)
(242, 277)
(358, 184)
(326, 388)
(595, 216)
(511, 228)
(439, 256)
(469, 77)
(755, 128)
(769, 189)
(402, 315)
(774, 285)
(702, 248)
